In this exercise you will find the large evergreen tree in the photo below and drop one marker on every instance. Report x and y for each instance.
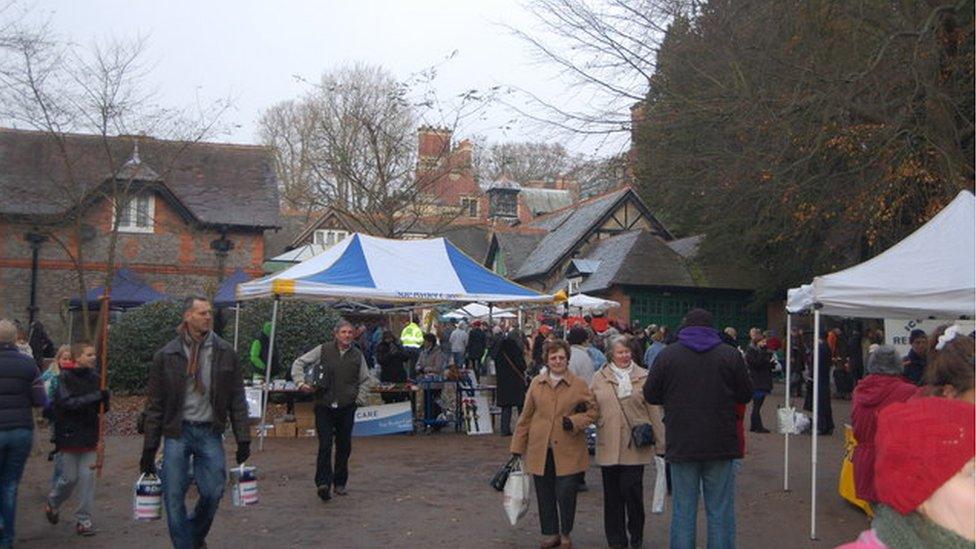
(805, 136)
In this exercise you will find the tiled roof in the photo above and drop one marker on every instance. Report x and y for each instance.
(636, 258)
(220, 184)
(686, 247)
(567, 227)
(473, 240)
(517, 246)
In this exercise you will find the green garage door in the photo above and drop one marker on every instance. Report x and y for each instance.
(668, 308)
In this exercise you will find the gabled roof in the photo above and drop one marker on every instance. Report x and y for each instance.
(517, 246)
(636, 258)
(583, 266)
(570, 226)
(473, 240)
(686, 247)
(345, 221)
(219, 184)
(641, 258)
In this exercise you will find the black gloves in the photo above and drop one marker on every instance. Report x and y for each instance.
(567, 424)
(243, 452)
(148, 462)
(105, 396)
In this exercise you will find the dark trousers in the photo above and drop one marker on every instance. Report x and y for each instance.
(825, 415)
(623, 504)
(333, 423)
(506, 419)
(755, 421)
(555, 492)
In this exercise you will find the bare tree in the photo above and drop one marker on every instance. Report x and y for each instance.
(59, 89)
(605, 49)
(351, 144)
(529, 161)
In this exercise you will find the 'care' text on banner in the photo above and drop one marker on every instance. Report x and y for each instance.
(383, 420)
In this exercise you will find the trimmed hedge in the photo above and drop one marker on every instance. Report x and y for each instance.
(134, 339)
(139, 333)
(301, 326)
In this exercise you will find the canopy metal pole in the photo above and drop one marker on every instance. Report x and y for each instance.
(786, 404)
(816, 412)
(267, 372)
(237, 323)
(71, 326)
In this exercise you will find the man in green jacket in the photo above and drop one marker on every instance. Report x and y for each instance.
(259, 363)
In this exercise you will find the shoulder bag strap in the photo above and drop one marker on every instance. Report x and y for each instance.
(630, 428)
(518, 374)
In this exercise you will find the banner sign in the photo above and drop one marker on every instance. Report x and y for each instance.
(898, 330)
(386, 419)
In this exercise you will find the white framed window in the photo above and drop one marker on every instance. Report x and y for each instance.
(137, 214)
(469, 206)
(574, 285)
(328, 237)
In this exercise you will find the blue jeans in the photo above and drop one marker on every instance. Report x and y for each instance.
(206, 448)
(15, 447)
(716, 481)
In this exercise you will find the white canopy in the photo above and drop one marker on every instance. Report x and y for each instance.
(477, 310)
(588, 303)
(370, 269)
(931, 273)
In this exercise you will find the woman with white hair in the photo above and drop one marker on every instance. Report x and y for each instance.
(623, 446)
(21, 388)
(884, 385)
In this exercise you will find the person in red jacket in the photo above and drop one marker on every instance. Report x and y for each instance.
(883, 385)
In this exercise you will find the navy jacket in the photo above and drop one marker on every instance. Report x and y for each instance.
(20, 388)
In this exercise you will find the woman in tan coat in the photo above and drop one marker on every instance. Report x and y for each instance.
(618, 389)
(551, 435)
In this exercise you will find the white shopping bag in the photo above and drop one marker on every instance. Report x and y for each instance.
(660, 486)
(516, 495)
(785, 416)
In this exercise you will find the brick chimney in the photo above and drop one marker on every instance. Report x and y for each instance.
(433, 142)
(463, 154)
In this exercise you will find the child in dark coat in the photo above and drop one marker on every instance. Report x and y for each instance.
(76, 432)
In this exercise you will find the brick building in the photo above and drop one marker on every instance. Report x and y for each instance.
(188, 215)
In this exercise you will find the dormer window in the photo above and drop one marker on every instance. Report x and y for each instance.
(136, 214)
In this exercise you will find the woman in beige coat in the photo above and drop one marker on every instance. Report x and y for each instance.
(551, 434)
(618, 389)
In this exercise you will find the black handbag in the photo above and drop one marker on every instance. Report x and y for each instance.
(642, 434)
(500, 477)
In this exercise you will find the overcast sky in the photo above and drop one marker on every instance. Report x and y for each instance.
(253, 50)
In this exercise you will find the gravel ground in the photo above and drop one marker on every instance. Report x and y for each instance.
(431, 491)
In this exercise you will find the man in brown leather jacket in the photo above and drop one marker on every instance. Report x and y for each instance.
(195, 383)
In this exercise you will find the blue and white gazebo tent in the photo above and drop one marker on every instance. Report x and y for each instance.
(366, 270)
(929, 274)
